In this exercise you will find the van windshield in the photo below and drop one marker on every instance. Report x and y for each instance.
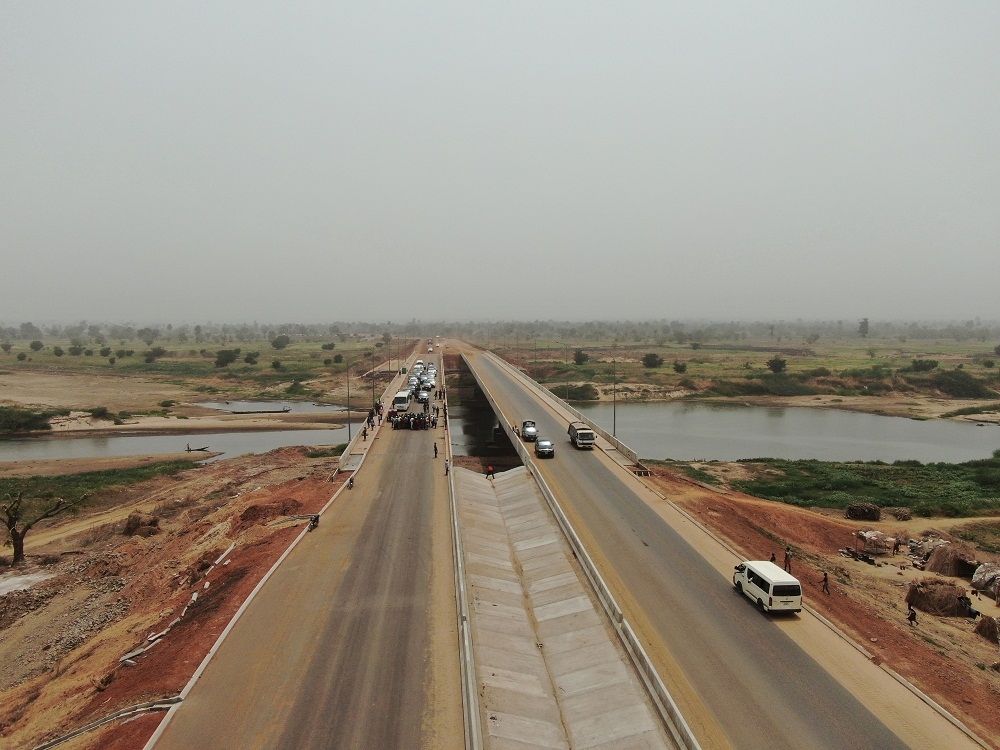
(787, 589)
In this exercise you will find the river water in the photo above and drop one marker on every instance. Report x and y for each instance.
(692, 431)
(229, 443)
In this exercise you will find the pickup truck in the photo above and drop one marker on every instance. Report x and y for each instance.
(529, 433)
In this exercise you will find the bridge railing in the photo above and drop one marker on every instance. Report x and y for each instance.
(669, 712)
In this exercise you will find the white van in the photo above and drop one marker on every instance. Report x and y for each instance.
(768, 586)
(401, 401)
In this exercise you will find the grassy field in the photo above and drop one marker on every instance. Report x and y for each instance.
(950, 490)
(71, 487)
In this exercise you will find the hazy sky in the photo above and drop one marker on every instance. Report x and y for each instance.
(327, 161)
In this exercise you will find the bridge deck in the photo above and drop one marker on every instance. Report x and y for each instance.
(550, 671)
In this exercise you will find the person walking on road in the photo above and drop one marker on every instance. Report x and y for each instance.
(446, 467)
(435, 450)
(489, 473)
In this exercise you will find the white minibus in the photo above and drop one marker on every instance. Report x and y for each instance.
(768, 586)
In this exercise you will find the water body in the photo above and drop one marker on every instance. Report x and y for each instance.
(229, 443)
(292, 407)
(692, 431)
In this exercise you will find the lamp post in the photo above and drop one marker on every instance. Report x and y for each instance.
(373, 378)
(614, 398)
(348, 401)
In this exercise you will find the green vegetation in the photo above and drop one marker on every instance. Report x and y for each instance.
(973, 410)
(651, 360)
(984, 535)
(14, 420)
(331, 452)
(74, 486)
(939, 489)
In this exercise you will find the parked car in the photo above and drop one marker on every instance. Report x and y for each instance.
(545, 448)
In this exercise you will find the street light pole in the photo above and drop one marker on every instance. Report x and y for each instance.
(348, 401)
(614, 398)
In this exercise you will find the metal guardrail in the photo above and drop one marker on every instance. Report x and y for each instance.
(670, 714)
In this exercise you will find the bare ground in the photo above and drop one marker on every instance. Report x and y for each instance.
(61, 641)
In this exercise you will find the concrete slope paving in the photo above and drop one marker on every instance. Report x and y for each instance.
(551, 673)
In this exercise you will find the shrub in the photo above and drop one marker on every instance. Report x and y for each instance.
(580, 357)
(251, 358)
(338, 358)
(680, 368)
(280, 342)
(652, 360)
(585, 392)
(101, 412)
(36, 346)
(21, 356)
(922, 365)
(58, 351)
(960, 384)
(328, 347)
(776, 364)
(6, 346)
(276, 364)
(225, 357)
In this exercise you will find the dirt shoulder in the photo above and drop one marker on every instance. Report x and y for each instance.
(942, 656)
(107, 594)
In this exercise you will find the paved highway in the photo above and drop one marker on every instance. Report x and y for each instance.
(760, 688)
(351, 644)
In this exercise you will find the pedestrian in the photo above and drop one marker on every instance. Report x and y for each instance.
(364, 434)
(774, 558)
(788, 559)
(489, 472)
(446, 467)
(435, 450)
(911, 615)
(826, 582)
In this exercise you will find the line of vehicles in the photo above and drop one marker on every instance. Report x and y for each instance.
(420, 386)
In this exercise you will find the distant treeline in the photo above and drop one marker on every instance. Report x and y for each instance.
(497, 333)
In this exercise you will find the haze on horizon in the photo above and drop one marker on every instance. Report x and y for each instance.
(453, 161)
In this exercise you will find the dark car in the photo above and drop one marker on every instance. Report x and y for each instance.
(544, 448)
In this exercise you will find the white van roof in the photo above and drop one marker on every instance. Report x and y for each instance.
(771, 572)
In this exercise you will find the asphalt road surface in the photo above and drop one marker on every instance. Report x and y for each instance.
(762, 689)
(334, 651)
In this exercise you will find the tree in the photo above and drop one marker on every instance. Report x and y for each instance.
(281, 341)
(863, 328)
(652, 360)
(276, 364)
(776, 364)
(225, 357)
(580, 357)
(996, 349)
(338, 358)
(680, 368)
(251, 358)
(21, 515)
(58, 351)
(36, 345)
(6, 347)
